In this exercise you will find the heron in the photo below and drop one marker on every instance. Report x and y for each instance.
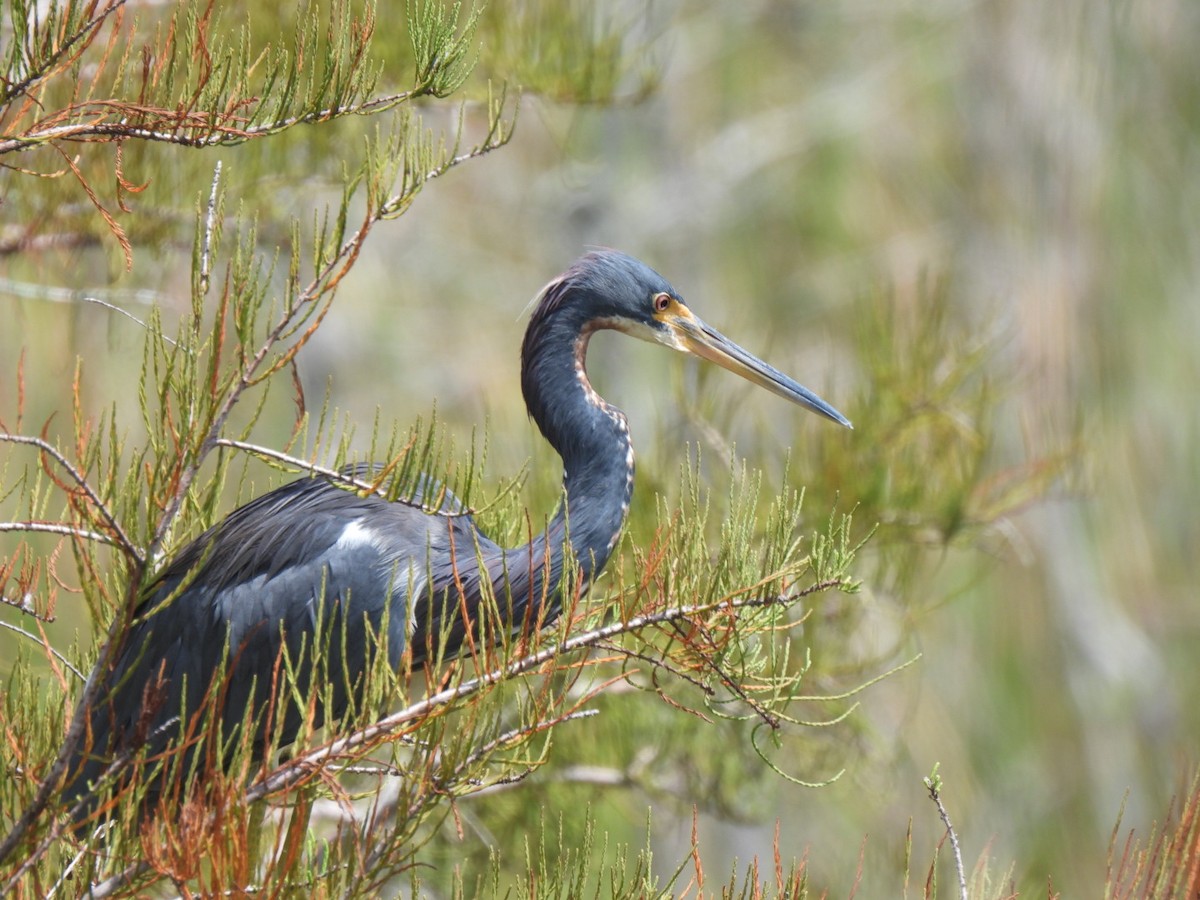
(313, 559)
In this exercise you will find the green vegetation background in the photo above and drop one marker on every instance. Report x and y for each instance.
(1013, 181)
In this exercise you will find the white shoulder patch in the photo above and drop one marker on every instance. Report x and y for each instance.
(356, 534)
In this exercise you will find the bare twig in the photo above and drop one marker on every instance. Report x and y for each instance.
(200, 130)
(657, 663)
(300, 766)
(26, 290)
(46, 646)
(522, 731)
(334, 475)
(121, 538)
(443, 785)
(209, 220)
(59, 528)
(934, 783)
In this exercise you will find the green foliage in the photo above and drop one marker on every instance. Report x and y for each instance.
(716, 620)
(540, 43)
(924, 474)
(724, 654)
(442, 50)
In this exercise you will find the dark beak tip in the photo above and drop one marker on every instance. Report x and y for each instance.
(833, 415)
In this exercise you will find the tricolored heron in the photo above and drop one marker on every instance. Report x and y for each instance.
(314, 563)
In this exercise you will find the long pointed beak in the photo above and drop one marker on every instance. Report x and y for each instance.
(695, 336)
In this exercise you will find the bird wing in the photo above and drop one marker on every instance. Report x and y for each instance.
(306, 566)
(305, 579)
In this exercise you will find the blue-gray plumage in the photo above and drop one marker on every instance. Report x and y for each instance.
(314, 563)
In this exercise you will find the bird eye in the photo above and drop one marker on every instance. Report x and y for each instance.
(662, 302)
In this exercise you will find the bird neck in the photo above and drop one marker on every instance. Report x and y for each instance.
(592, 438)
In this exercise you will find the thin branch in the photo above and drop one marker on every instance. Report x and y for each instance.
(122, 539)
(27, 291)
(110, 886)
(934, 783)
(209, 220)
(712, 662)
(59, 528)
(298, 767)
(658, 664)
(85, 33)
(443, 785)
(335, 475)
(25, 604)
(114, 768)
(516, 734)
(45, 646)
(204, 130)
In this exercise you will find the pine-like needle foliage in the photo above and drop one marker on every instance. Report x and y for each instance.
(709, 628)
(352, 807)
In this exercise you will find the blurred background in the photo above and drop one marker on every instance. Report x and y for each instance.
(974, 227)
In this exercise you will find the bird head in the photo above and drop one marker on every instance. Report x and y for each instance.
(608, 289)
